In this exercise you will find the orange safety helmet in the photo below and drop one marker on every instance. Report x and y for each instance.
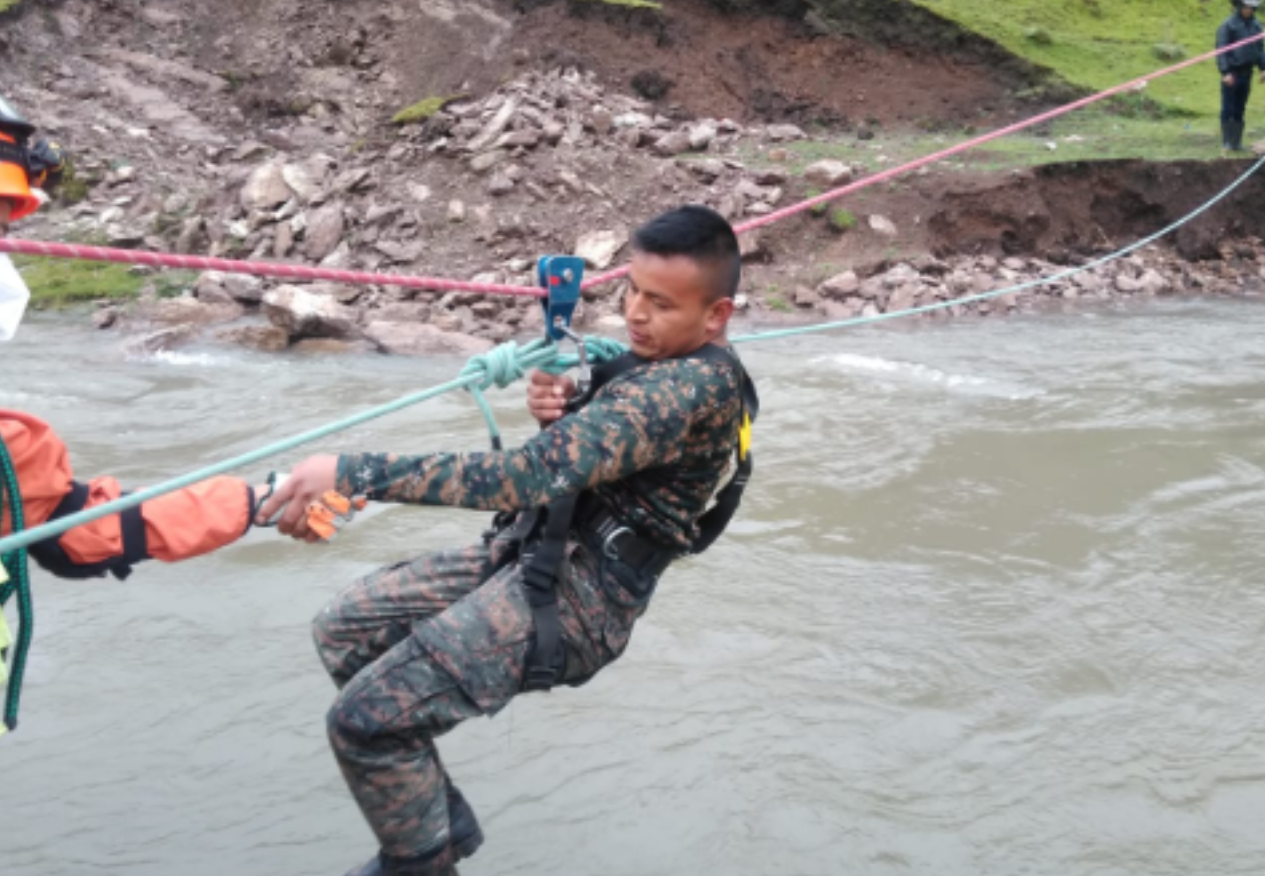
(15, 183)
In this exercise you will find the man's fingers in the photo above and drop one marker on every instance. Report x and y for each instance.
(273, 503)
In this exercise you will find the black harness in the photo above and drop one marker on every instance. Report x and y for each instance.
(52, 557)
(539, 537)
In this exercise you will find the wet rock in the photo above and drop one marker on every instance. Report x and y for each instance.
(188, 311)
(243, 288)
(324, 231)
(105, 318)
(841, 286)
(190, 232)
(488, 160)
(209, 289)
(600, 121)
(771, 177)
(599, 248)
(707, 169)
(161, 340)
(500, 184)
(267, 338)
(902, 298)
(830, 174)
(300, 181)
(283, 242)
(401, 253)
(266, 188)
(402, 311)
(356, 179)
(884, 226)
(303, 314)
(784, 133)
(1127, 284)
(123, 235)
(701, 136)
(669, 145)
(1152, 282)
(412, 339)
(495, 126)
(806, 297)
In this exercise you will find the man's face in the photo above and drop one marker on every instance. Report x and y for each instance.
(668, 306)
(1246, 11)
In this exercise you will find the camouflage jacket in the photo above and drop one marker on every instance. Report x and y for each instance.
(654, 443)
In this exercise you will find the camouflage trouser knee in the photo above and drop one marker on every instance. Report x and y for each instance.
(421, 646)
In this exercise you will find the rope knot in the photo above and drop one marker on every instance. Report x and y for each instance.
(502, 365)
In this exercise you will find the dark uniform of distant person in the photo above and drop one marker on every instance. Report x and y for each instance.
(1237, 69)
(420, 646)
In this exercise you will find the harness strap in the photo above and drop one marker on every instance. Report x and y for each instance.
(541, 569)
(53, 558)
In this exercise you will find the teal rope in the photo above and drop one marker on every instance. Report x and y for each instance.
(15, 563)
(498, 367)
(1009, 290)
(508, 362)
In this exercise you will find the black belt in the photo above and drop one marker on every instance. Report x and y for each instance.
(606, 534)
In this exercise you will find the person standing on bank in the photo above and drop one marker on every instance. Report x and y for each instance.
(610, 491)
(1237, 69)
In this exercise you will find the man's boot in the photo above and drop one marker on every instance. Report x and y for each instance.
(433, 864)
(1226, 128)
(464, 834)
(1236, 139)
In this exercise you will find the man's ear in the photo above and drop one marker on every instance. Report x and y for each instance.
(718, 316)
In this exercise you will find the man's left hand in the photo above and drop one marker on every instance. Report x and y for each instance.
(308, 481)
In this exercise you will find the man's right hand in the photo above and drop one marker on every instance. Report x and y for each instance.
(1228, 79)
(547, 396)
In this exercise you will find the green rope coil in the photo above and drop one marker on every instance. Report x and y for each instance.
(19, 582)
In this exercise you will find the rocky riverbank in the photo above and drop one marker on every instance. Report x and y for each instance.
(232, 150)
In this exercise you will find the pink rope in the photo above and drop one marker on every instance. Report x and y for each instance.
(299, 272)
(262, 269)
(887, 175)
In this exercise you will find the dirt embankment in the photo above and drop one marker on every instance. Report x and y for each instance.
(261, 130)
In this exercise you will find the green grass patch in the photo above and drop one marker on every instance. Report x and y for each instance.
(842, 220)
(59, 283)
(423, 109)
(6, 5)
(1100, 43)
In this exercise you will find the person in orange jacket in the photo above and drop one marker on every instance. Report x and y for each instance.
(178, 526)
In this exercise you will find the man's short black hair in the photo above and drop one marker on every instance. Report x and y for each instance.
(699, 233)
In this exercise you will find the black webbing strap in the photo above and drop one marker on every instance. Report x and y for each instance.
(540, 573)
(53, 558)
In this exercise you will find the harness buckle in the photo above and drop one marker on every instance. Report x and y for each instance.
(609, 548)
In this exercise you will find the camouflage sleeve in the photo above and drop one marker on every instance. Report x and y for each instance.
(634, 423)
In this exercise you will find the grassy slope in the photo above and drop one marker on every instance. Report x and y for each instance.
(1100, 43)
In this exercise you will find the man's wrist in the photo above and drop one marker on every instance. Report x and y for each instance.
(350, 478)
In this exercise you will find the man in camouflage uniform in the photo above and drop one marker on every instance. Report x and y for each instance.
(420, 646)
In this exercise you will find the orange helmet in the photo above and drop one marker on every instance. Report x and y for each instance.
(15, 184)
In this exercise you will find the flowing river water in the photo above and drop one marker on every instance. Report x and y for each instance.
(995, 604)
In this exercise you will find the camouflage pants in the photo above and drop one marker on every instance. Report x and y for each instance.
(418, 647)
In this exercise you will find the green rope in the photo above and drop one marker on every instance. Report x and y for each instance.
(1009, 290)
(507, 363)
(15, 564)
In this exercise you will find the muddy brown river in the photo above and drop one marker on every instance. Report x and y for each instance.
(995, 605)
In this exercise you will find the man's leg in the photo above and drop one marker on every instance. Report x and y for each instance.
(1244, 89)
(463, 663)
(378, 611)
(1229, 110)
